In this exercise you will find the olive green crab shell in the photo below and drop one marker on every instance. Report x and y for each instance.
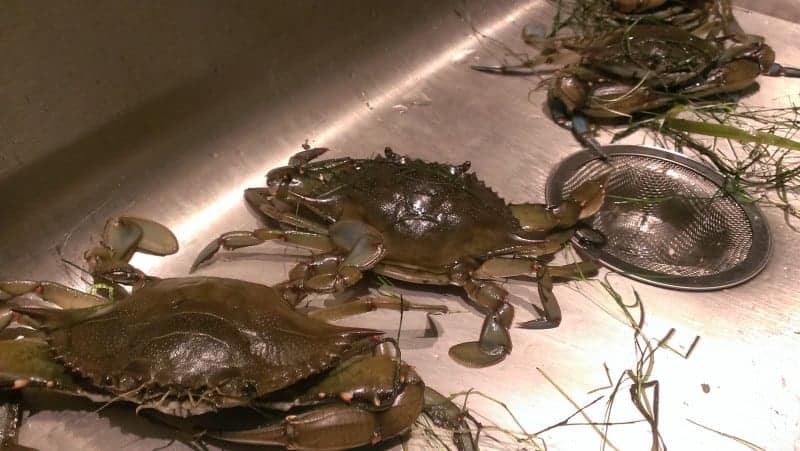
(195, 335)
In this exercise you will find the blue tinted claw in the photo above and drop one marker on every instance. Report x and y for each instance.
(575, 122)
(582, 132)
(776, 70)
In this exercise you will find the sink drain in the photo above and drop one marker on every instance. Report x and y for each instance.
(667, 220)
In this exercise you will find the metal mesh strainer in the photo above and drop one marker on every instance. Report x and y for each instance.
(666, 220)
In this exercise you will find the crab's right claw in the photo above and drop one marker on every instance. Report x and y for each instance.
(590, 196)
(492, 347)
(582, 203)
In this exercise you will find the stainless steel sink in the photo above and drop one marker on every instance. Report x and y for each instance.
(169, 110)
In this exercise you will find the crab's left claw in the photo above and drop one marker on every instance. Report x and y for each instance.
(122, 237)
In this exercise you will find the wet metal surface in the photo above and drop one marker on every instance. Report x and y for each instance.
(169, 110)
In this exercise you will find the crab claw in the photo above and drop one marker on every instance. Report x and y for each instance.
(590, 196)
(776, 70)
(583, 202)
(127, 235)
(122, 237)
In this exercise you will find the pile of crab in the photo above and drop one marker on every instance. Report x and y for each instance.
(642, 55)
(182, 349)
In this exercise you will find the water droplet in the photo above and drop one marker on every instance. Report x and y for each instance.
(461, 54)
(400, 108)
(418, 99)
(534, 29)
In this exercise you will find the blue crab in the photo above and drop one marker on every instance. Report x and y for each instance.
(416, 221)
(189, 346)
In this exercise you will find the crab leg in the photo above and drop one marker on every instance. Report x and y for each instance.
(61, 295)
(364, 248)
(494, 343)
(551, 312)
(336, 426)
(412, 275)
(515, 267)
(25, 362)
(776, 70)
(282, 217)
(370, 304)
(540, 64)
(583, 202)
(237, 239)
(444, 413)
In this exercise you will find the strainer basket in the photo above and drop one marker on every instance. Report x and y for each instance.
(666, 220)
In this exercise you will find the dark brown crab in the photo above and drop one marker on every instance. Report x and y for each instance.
(419, 222)
(687, 14)
(646, 67)
(643, 66)
(187, 346)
